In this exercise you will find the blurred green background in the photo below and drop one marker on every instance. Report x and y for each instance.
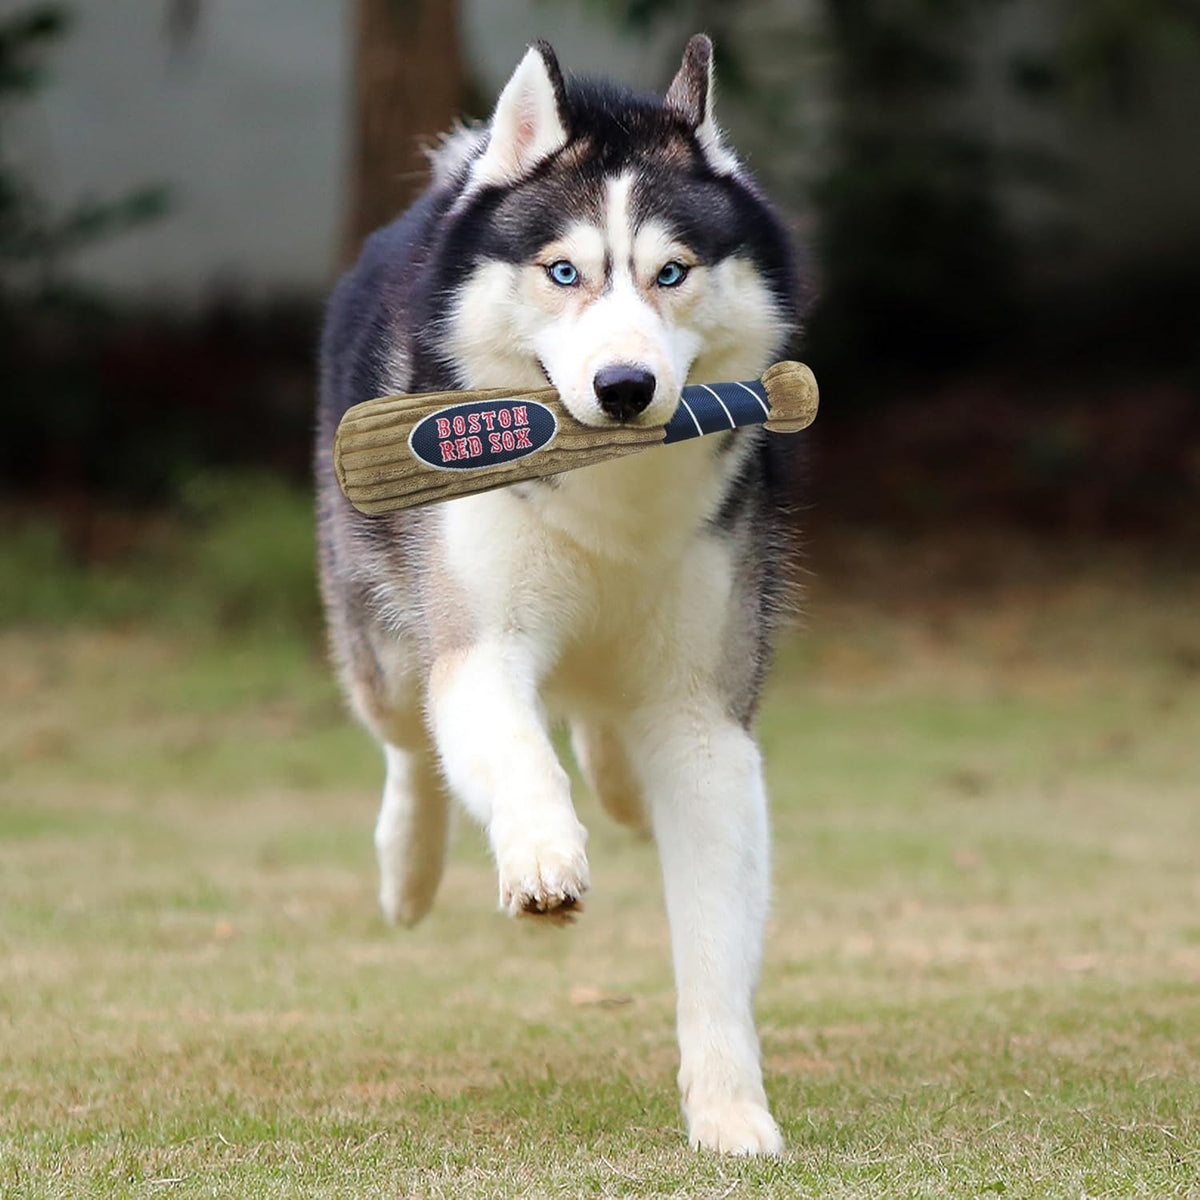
(998, 198)
(981, 746)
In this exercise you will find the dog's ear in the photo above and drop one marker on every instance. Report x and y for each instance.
(690, 93)
(690, 97)
(530, 121)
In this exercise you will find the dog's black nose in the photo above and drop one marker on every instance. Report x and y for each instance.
(623, 390)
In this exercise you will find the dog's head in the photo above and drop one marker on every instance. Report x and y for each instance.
(610, 241)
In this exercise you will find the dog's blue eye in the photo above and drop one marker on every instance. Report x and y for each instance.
(563, 273)
(672, 275)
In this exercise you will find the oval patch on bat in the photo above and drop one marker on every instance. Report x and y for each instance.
(484, 433)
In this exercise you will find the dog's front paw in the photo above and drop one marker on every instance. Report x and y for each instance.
(543, 873)
(734, 1127)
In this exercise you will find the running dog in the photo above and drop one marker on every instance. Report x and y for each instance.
(608, 242)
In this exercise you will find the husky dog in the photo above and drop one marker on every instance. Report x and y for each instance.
(608, 242)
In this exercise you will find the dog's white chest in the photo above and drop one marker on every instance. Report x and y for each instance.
(609, 576)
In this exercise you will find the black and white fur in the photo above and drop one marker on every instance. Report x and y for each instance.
(636, 599)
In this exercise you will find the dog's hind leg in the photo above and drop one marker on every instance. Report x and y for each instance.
(410, 834)
(411, 831)
(604, 761)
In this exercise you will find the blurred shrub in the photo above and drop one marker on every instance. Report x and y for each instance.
(917, 259)
(131, 404)
(236, 558)
(1111, 48)
(45, 584)
(34, 242)
(921, 270)
(59, 425)
(104, 400)
(247, 556)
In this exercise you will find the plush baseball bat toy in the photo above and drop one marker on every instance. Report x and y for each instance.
(403, 451)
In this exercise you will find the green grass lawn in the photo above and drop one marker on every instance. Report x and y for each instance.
(982, 973)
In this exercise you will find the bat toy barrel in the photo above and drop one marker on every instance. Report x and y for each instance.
(403, 451)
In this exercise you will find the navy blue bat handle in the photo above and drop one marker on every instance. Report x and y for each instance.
(712, 407)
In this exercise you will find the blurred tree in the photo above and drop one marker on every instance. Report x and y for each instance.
(915, 260)
(409, 87)
(1110, 48)
(34, 241)
(58, 424)
(182, 24)
(918, 261)
(920, 265)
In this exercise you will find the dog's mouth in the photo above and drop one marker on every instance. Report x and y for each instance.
(650, 418)
(620, 395)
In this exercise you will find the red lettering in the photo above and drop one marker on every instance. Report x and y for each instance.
(505, 416)
(443, 427)
(489, 418)
(473, 425)
(475, 446)
(460, 426)
(519, 415)
(494, 443)
(447, 449)
(462, 447)
(509, 441)
(522, 436)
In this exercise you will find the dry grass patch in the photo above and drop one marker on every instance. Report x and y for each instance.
(983, 974)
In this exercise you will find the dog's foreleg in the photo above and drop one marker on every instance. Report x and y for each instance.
(497, 756)
(704, 782)
(410, 835)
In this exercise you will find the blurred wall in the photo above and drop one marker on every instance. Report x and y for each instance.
(244, 115)
(243, 118)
